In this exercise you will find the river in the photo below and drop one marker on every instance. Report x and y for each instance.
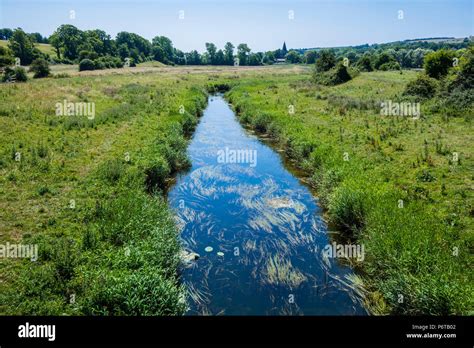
(258, 230)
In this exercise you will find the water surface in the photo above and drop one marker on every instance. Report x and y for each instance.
(265, 229)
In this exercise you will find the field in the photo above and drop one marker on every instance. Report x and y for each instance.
(90, 191)
(45, 48)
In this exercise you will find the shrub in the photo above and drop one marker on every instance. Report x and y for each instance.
(423, 87)
(364, 63)
(40, 68)
(465, 77)
(384, 59)
(98, 65)
(326, 61)
(335, 76)
(87, 55)
(17, 74)
(6, 57)
(86, 64)
(437, 64)
(390, 66)
(340, 75)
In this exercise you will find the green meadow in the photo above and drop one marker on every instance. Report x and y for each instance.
(90, 191)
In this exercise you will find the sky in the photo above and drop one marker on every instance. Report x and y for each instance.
(262, 24)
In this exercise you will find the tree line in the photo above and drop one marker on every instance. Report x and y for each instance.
(72, 45)
(95, 49)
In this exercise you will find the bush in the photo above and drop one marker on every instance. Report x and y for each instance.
(384, 59)
(326, 61)
(364, 64)
(437, 64)
(390, 66)
(40, 68)
(465, 77)
(422, 87)
(333, 77)
(98, 65)
(17, 74)
(87, 55)
(340, 75)
(86, 64)
(6, 57)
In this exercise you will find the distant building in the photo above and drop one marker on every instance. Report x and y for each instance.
(284, 51)
(281, 54)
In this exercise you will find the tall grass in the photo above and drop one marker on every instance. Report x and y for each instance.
(115, 251)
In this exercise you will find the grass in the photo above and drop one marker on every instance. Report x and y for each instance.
(89, 192)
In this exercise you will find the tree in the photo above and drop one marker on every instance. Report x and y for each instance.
(293, 57)
(123, 51)
(179, 57)
(56, 43)
(365, 63)
(37, 37)
(269, 57)
(437, 64)
(193, 58)
(100, 42)
(326, 61)
(384, 58)
(465, 76)
(40, 68)
(69, 38)
(220, 58)
(255, 59)
(22, 47)
(6, 34)
(242, 53)
(229, 53)
(167, 47)
(6, 58)
(310, 57)
(211, 51)
(136, 46)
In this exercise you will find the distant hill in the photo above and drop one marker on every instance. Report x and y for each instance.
(431, 42)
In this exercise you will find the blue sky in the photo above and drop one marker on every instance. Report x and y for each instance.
(262, 24)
